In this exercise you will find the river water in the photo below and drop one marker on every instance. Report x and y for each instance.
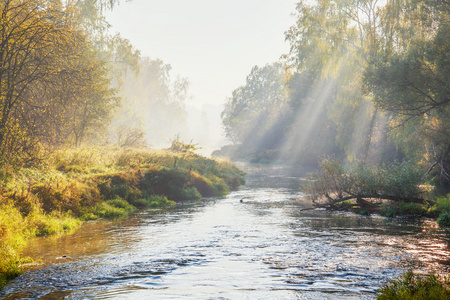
(265, 247)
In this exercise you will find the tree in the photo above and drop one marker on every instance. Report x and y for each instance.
(335, 183)
(331, 42)
(47, 70)
(256, 108)
(153, 101)
(412, 83)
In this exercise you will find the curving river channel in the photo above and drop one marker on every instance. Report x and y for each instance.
(262, 248)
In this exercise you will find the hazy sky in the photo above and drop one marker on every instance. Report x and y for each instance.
(213, 43)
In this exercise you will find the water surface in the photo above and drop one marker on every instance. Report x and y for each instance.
(265, 247)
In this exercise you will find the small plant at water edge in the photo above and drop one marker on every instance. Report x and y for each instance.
(154, 201)
(111, 209)
(410, 286)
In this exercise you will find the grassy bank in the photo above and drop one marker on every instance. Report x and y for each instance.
(75, 185)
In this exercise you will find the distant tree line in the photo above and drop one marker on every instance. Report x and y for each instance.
(364, 81)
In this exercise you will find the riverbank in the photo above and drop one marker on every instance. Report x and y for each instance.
(74, 185)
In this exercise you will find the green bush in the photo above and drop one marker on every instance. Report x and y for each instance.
(410, 286)
(111, 209)
(387, 211)
(121, 203)
(444, 219)
(154, 201)
(403, 209)
(362, 212)
(442, 205)
(170, 182)
(361, 180)
(410, 209)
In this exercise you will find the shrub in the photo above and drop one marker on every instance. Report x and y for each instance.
(53, 223)
(179, 146)
(120, 184)
(111, 209)
(208, 187)
(121, 203)
(387, 211)
(444, 219)
(66, 195)
(442, 205)
(189, 194)
(335, 182)
(411, 209)
(154, 201)
(204, 186)
(410, 286)
(170, 182)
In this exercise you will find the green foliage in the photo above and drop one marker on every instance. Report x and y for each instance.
(171, 182)
(16, 229)
(179, 146)
(410, 286)
(54, 223)
(358, 180)
(253, 114)
(442, 205)
(444, 219)
(388, 211)
(111, 209)
(410, 79)
(154, 201)
(354, 69)
(411, 209)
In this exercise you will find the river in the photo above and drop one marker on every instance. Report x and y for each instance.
(264, 247)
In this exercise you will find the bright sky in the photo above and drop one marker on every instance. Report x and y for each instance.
(213, 43)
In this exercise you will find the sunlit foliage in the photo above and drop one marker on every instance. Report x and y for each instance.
(257, 110)
(53, 90)
(410, 286)
(367, 81)
(411, 81)
(335, 183)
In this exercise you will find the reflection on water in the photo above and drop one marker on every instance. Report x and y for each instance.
(264, 248)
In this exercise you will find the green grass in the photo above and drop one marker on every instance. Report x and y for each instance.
(111, 209)
(154, 201)
(16, 229)
(410, 286)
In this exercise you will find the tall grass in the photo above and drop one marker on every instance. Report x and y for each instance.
(16, 229)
